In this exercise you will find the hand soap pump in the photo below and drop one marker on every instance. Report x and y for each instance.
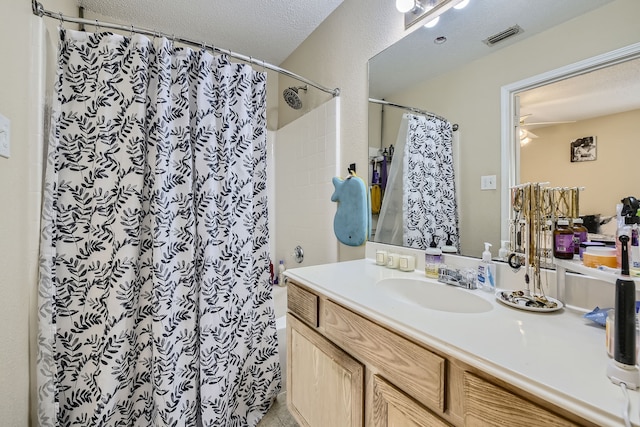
(486, 271)
(622, 368)
(503, 253)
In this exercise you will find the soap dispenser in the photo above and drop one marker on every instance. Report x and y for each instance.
(503, 253)
(486, 271)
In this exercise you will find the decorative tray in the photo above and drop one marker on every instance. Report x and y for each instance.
(518, 299)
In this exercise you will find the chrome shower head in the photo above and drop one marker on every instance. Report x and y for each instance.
(292, 98)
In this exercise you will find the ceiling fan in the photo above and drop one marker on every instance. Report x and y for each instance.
(523, 121)
(526, 135)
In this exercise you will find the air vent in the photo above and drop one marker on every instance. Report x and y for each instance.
(502, 35)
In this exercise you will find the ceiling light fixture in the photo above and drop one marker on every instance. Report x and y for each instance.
(461, 5)
(426, 10)
(405, 6)
(433, 22)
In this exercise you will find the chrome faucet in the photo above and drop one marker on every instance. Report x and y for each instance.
(463, 279)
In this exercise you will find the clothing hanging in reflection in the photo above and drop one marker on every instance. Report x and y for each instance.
(419, 205)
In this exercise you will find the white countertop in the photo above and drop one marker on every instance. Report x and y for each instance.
(557, 356)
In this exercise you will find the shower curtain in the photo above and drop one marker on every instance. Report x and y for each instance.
(421, 182)
(154, 303)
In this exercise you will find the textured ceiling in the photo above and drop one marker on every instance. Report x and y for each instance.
(417, 58)
(268, 30)
(610, 90)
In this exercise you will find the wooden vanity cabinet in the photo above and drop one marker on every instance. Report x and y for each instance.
(346, 370)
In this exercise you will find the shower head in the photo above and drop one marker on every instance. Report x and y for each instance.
(292, 98)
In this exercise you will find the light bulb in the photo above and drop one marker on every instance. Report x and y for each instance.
(405, 6)
(432, 23)
(461, 5)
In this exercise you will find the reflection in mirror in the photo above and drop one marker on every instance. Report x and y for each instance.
(419, 207)
(593, 107)
(462, 81)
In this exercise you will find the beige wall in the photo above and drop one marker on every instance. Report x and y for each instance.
(337, 54)
(20, 190)
(614, 175)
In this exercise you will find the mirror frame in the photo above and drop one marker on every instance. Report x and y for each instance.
(509, 117)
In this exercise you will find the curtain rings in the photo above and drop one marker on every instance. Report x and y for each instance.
(97, 26)
(61, 18)
(132, 32)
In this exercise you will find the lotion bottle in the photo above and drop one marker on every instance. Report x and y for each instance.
(486, 279)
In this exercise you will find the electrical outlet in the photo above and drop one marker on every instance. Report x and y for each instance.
(5, 137)
(488, 182)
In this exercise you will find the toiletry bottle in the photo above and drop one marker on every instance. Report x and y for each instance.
(486, 271)
(432, 262)
(634, 267)
(503, 252)
(281, 269)
(580, 234)
(448, 247)
(624, 230)
(563, 240)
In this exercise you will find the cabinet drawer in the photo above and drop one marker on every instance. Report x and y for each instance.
(410, 367)
(489, 405)
(303, 304)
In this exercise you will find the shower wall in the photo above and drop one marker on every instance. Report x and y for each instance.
(303, 158)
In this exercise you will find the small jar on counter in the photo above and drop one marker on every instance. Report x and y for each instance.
(407, 263)
(580, 234)
(432, 262)
(563, 240)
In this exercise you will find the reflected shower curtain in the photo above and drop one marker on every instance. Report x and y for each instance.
(154, 303)
(422, 184)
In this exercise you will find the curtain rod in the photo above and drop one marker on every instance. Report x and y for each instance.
(413, 110)
(39, 10)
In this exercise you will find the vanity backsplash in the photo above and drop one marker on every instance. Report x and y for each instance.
(580, 291)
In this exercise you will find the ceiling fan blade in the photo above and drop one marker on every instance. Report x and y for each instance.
(547, 123)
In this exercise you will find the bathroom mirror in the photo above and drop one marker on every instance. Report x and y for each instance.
(462, 79)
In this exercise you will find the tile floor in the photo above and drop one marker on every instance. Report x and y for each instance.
(278, 415)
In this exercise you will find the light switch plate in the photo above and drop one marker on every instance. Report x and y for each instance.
(5, 137)
(488, 182)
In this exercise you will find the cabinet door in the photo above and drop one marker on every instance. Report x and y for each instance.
(324, 384)
(393, 408)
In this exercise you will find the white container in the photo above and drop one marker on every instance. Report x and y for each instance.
(407, 263)
(393, 260)
(281, 269)
(381, 257)
(432, 262)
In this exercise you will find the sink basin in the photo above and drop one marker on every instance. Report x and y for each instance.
(434, 296)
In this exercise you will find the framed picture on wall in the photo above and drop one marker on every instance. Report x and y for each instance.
(583, 149)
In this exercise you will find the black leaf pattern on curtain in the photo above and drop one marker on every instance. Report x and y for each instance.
(154, 302)
(429, 196)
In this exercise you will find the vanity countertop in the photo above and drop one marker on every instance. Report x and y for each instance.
(557, 356)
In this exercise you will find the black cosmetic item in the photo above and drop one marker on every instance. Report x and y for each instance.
(625, 321)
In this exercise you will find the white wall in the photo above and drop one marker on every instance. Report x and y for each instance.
(305, 161)
(336, 54)
(21, 91)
